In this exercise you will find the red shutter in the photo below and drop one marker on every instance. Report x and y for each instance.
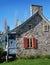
(34, 43)
(25, 42)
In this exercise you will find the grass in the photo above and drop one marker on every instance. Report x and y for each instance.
(28, 62)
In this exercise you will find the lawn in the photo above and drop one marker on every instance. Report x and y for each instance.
(28, 62)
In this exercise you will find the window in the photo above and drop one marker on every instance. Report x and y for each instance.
(46, 28)
(29, 42)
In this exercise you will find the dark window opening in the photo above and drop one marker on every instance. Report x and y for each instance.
(11, 36)
(27, 42)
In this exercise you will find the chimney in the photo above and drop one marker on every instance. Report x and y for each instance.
(34, 8)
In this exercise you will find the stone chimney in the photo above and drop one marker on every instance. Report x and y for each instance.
(34, 8)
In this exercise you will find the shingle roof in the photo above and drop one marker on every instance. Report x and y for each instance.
(17, 28)
(13, 30)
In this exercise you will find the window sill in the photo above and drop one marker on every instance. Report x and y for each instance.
(29, 48)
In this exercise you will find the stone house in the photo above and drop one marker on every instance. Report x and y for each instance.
(33, 36)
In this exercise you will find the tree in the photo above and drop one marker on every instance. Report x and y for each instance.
(16, 22)
(1, 53)
(5, 25)
(25, 16)
(16, 19)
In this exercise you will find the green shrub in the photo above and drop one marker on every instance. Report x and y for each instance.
(31, 57)
(47, 56)
(1, 52)
(35, 56)
(42, 56)
(2, 57)
(22, 57)
(27, 57)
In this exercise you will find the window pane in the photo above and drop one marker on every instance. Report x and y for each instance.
(30, 42)
(45, 27)
(27, 42)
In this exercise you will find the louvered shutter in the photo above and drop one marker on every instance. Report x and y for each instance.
(34, 42)
(25, 42)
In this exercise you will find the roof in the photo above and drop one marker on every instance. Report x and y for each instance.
(17, 28)
(44, 18)
(24, 22)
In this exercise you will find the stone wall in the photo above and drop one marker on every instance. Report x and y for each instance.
(43, 38)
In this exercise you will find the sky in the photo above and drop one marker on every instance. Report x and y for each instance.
(10, 9)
